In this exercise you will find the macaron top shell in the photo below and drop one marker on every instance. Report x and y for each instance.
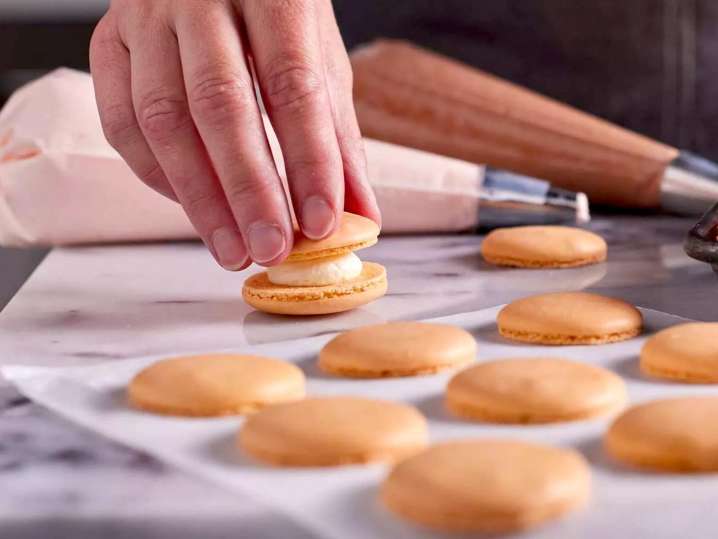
(354, 232)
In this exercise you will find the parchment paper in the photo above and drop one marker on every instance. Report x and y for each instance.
(341, 502)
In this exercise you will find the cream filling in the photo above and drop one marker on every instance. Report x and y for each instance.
(319, 272)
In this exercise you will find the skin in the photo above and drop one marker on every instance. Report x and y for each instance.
(176, 99)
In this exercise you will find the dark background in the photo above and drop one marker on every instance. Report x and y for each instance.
(644, 64)
(649, 65)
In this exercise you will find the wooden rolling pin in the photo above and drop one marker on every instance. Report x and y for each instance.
(410, 96)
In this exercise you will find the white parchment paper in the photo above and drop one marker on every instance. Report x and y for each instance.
(341, 502)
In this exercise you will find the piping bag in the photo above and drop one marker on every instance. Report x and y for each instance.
(61, 182)
(410, 96)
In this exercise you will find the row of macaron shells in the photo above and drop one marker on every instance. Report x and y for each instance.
(402, 349)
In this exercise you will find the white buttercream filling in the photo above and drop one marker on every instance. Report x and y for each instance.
(319, 272)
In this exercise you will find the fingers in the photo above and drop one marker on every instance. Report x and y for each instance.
(359, 196)
(191, 128)
(110, 66)
(225, 110)
(163, 115)
(286, 48)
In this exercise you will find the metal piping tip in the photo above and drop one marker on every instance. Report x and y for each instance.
(689, 185)
(573, 201)
(509, 199)
(583, 209)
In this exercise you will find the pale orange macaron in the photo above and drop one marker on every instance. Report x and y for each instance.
(543, 247)
(569, 318)
(397, 349)
(214, 385)
(487, 485)
(321, 276)
(671, 435)
(534, 390)
(333, 431)
(684, 353)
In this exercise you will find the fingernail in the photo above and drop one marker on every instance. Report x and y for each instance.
(229, 248)
(266, 241)
(317, 217)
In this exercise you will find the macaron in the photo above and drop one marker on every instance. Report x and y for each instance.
(332, 431)
(397, 349)
(321, 276)
(534, 390)
(569, 318)
(685, 353)
(490, 486)
(672, 435)
(214, 385)
(355, 232)
(543, 247)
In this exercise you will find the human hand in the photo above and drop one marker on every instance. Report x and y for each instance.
(176, 99)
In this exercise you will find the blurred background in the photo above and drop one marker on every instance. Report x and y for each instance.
(645, 64)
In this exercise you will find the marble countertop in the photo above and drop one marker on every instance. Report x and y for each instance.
(92, 304)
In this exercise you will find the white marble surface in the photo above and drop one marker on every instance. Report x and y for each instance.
(108, 303)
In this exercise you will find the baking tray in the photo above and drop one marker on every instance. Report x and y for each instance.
(342, 502)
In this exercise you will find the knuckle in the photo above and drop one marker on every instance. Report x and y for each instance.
(351, 143)
(99, 34)
(249, 190)
(219, 94)
(292, 86)
(311, 167)
(199, 8)
(278, 9)
(160, 115)
(104, 37)
(199, 202)
(153, 176)
(118, 125)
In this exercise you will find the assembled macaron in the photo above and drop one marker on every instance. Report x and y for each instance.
(321, 276)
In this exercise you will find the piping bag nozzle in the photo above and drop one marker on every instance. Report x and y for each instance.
(510, 199)
(690, 184)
